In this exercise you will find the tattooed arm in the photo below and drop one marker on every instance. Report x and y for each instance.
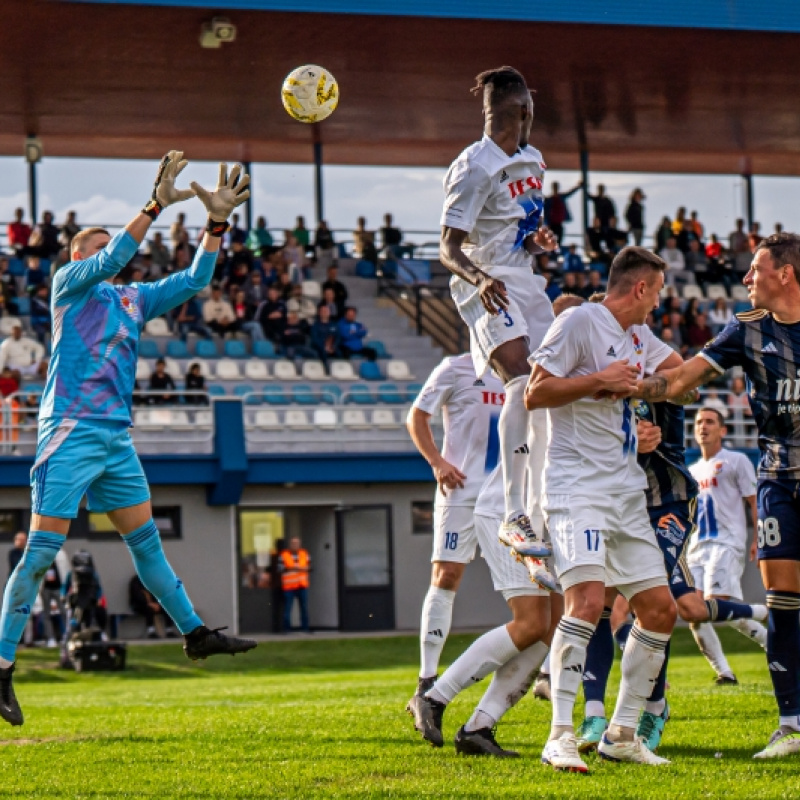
(677, 384)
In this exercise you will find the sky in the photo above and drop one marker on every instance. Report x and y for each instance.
(110, 192)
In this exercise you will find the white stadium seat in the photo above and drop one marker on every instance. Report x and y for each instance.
(154, 419)
(690, 291)
(143, 370)
(715, 291)
(355, 418)
(739, 292)
(314, 371)
(203, 420)
(256, 370)
(297, 419)
(342, 371)
(173, 369)
(157, 327)
(325, 418)
(284, 370)
(312, 290)
(228, 370)
(267, 419)
(180, 420)
(397, 370)
(383, 418)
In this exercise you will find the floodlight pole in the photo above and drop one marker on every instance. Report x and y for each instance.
(585, 190)
(248, 206)
(748, 198)
(32, 192)
(317, 172)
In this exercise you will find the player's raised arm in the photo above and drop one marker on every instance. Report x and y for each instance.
(161, 296)
(546, 390)
(96, 257)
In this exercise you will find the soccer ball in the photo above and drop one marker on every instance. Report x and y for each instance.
(310, 93)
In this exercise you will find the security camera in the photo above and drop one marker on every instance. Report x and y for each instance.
(214, 33)
(33, 150)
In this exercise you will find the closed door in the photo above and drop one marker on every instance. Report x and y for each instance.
(366, 590)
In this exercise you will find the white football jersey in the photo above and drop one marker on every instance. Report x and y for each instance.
(497, 199)
(592, 445)
(492, 495)
(724, 479)
(470, 409)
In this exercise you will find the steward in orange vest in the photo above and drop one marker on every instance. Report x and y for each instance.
(294, 574)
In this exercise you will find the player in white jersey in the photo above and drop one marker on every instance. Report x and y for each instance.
(513, 652)
(470, 408)
(718, 547)
(594, 498)
(490, 232)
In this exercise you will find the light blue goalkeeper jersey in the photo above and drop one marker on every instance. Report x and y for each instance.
(96, 329)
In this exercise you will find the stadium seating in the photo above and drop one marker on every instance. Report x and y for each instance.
(228, 370)
(284, 370)
(388, 393)
(246, 392)
(267, 419)
(177, 349)
(264, 349)
(739, 292)
(716, 290)
(205, 348)
(143, 370)
(354, 418)
(304, 395)
(173, 369)
(234, 348)
(23, 305)
(398, 370)
(157, 327)
(370, 371)
(215, 390)
(314, 371)
(690, 291)
(384, 418)
(379, 347)
(275, 396)
(148, 349)
(297, 419)
(325, 418)
(312, 290)
(412, 390)
(342, 371)
(359, 393)
(255, 370)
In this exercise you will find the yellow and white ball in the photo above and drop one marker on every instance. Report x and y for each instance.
(310, 93)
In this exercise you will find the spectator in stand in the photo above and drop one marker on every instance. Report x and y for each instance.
(19, 233)
(324, 245)
(552, 290)
(719, 316)
(302, 234)
(271, 315)
(184, 251)
(41, 321)
(195, 382)
(161, 381)
(674, 321)
(698, 333)
(351, 336)
(8, 286)
(159, 255)
(697, 227)
(237, 278)
(615, 238)
(285, 286)
(260, 239)
(17, 551)
(245, 317)
(218, 314)
(634, 216)
(596, 245)
(691, 312)
(145, 605)
(572, 261)
(667, 338)
(663, 233)
(676, 264)
(362, 237)
(44, 238)
(255, 290)
(69, 230)
(719, 267)
(391, 240)
(189, 319)
(697, 262)
(686, 236)
(739, 245)
(9, 382)
(570, 282)
(329, 301)
(236, 234)
(738, 400)
(556, 210)
(604, 208)
(680, 218)
(34, 275)
(754, 238)
(177, 230)
(324, 336)
(595, 284)
(22, 355)
(294, 339)
(294, 254)
(339, 289)
(778, 227)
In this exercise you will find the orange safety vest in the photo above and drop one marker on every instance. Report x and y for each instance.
(292, 577)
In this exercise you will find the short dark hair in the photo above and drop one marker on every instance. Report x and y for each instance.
(499, 83)
(784, 249)
(711, 410)
(629, 265)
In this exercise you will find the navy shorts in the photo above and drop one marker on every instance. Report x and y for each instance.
(778, 519)
(672, 524)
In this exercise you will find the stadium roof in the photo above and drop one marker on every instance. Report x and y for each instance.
(113, 80)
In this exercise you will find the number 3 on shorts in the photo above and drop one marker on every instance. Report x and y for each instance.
(769, 533)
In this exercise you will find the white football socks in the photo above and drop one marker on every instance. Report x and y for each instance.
(513, 431)
(483, 656)
(537, 444)
(754, 631)
(509, 685)
(711, 647)
(642, 660)
(567, 660)
(437, 615)
(545, 668)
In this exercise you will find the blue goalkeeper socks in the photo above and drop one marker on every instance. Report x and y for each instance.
(158, 576)
(23, 586)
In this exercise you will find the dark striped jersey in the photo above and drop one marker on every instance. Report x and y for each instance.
(668, 477)
(769, 354)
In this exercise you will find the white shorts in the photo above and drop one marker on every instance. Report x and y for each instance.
(529, 314)
(717, 570)
(509, 577)
(612, 533)
(454, 534)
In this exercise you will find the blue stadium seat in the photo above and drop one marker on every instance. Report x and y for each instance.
(23, 305)
(370, 371)
(177, 349)
(412, 390)
(16, 267)
(253, 400)
(148, 349)
(304, 395)
(33, 388)
(741, 305)
(331, 394)
(360, 393)
(215, 390)
(235, 349)
(275, 396)
(205, 349)
(379, 347)
(389, 393)
(44, 265)
(264, 349)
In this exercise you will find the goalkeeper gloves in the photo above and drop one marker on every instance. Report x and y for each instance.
(165, 192)
(231, 192)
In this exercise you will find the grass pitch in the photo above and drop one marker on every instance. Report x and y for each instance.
(324, 718)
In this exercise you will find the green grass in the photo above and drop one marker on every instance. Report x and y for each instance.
(324, 718)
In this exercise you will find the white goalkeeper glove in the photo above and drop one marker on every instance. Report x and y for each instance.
(165, 193)
(231, 192)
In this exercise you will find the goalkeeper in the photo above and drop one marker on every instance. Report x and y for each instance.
(84, 446)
